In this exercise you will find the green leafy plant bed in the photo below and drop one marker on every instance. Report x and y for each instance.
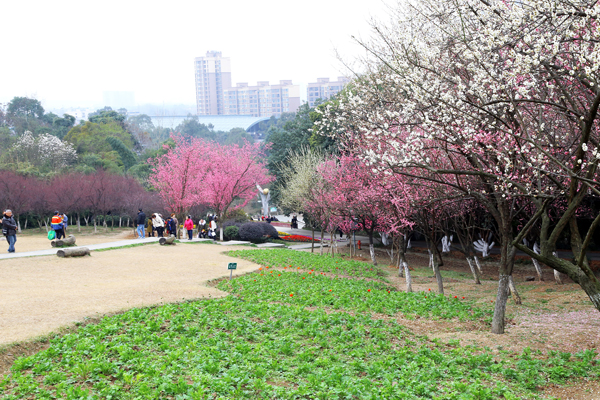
(298, 259)
(295, 332)
(232, 349)
(312, 289)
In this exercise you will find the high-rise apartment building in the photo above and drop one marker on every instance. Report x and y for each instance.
(262, 100)
(323, 89)
(213, 76)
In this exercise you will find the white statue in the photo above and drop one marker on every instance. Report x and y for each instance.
(265, 196)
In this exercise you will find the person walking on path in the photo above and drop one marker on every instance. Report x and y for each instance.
(141, 224)
(176, 233)
(9, 229)
(158, 224)
(189, 226)
(57, 225)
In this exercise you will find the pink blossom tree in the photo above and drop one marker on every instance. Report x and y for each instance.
(179, 175)
(359, 195)
(233, 175)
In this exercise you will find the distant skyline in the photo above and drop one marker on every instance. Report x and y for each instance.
(67, 53)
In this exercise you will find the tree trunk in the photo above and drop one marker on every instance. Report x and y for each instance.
(436, 268)
(401, 256)
(372, 248)
(513, 290)
(321, 241)
(86, 219)
(592, 289)
(538, 269)
(478, 265)
(68, 241)
(438, 276)
(169, 240)
(507, 257)
(408, 277)
(18, 223)
(500, 308)
(220, 233)
(26, 219)
(557, 277)
(128, 223)
(312, 248)
(95, 227)
(120, 220)
(78, 223)
(74, 252)
(557, 274)
(473, 271)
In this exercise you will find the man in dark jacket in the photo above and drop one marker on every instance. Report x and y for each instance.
(141, 224)
(9, 229)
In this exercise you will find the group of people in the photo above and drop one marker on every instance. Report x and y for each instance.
(59, 224)
(159, 225)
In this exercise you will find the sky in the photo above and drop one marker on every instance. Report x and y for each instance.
(67, 53)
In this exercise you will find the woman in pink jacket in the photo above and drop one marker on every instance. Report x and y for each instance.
(189, 225)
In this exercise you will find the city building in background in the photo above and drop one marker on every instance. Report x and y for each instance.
(323, 89)
(213, 76)
(262, 100)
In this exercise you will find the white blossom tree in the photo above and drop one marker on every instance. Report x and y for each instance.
(497, 99)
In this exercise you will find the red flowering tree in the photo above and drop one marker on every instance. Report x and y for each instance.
(231, 180)
(179, 175)
(360, 197)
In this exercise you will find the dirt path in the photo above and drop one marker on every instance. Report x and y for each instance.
(42, 294)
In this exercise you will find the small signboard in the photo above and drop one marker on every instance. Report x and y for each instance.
(231, 267)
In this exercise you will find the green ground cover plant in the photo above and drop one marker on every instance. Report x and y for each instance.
(303, 260)
(283, 334)
(313, 289)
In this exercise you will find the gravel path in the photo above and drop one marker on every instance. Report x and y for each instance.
(38, 295)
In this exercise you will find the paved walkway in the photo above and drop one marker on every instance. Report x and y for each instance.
(52, 251)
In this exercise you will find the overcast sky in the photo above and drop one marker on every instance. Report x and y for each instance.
(66, 53)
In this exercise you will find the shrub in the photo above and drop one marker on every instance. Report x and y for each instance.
(231, 222)
(237, 215)
(231, 233)
(269, 230)
(253, 232)
(257, 232)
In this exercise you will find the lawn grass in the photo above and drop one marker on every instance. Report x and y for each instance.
(283, 334)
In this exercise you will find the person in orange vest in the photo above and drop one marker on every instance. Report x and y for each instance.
(57, 225)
